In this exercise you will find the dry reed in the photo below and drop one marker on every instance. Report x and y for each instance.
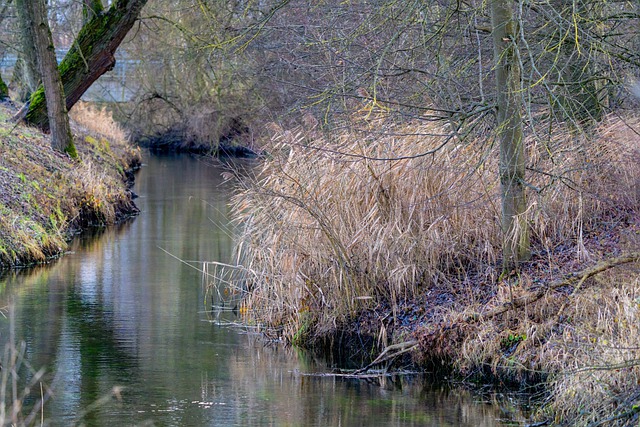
(97, 122)
(594, 356)
(99, 197)
(330, 231)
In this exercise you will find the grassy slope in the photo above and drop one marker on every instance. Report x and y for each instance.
(45, 196)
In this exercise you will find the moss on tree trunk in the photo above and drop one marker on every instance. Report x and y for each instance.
(91, 55)
(91, 9)
(515, 247)
(4, 91)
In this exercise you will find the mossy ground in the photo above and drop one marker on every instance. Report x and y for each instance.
(46, 196)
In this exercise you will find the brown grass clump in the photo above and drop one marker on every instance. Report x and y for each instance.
(329, 233)
(336, 225)
(587, 345)
(596, 356)
(100, 198)
(97, 122)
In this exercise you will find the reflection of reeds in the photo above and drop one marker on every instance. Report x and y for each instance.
(329, 230)
(307, 396)
(23, 390)
(13, 393)
(223, 286)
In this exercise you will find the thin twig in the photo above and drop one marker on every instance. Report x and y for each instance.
(400, 348)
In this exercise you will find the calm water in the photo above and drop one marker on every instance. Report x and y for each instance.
(123, 310)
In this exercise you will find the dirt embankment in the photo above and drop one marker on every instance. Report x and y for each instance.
(46, 197)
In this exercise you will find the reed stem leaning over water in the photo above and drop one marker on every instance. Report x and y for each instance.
(15, 368)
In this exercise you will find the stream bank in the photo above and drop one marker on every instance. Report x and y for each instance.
(124, 329)
(47, 197)
(400, 251)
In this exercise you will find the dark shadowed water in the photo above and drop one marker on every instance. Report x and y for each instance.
(123, 310)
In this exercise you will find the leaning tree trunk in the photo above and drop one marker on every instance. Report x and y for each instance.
(515, 231)
(36, 15)
(91, 55)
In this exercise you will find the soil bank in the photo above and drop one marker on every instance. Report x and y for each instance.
(46, 197)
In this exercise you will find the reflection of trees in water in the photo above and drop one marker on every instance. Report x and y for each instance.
(282, 396)
(65, 335)
(104, 361)
(94, 239)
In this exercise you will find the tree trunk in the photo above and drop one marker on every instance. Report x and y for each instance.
(61, 138)
(4, 90)
(91, 55)
(26, 76)
(512, 158)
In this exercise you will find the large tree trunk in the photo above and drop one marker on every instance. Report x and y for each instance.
(36, 15)
(4, 90)
(91, 55)
(512, 159)
(26, 76)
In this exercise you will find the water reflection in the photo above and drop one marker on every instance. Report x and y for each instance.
(125, 308)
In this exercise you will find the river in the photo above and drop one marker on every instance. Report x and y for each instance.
(128, 308)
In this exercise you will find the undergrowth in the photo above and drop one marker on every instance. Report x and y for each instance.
(374, 222)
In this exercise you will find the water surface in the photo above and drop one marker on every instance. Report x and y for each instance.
(129, 308)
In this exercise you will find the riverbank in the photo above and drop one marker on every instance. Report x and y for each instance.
(397, 239)
(46, 197)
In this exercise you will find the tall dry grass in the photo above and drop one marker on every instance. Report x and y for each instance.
(586, 345)
(328, 233)
(99, 197)
(595, 357)
(330, 228)
(97, 121)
